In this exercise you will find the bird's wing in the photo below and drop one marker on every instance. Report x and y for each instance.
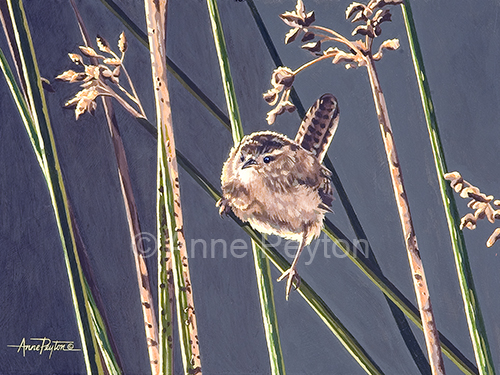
(319, 125)
(325, 190)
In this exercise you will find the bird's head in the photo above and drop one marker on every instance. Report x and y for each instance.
(263, 152)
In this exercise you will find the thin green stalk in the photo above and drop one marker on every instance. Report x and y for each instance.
(473, 314)
(109, 351)
(410, 311)
(304, 290)
(354, 254)
(268, 310)
(100, 327)
(227, 80)
(52, 173)
(394, 294)
(156, 16)
(166, 291)
(22, 107)
(399, 316)
(182, 77)
(402, 323)
(144, 287)
(11, 39)
(103, 339)
(262, 268)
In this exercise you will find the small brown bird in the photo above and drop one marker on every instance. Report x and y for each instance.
(279, 185)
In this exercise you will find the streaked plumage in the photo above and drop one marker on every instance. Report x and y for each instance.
(278, 185)
(319, 125)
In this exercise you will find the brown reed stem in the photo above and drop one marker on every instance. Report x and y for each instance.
(146, 296)
(417, 270)
(156, 16)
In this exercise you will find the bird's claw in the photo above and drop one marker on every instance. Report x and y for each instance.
(292, 276)
(224, 207)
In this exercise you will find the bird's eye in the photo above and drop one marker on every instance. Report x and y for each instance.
(242, 158)
(267, 159)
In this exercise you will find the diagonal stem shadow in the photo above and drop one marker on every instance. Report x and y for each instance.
(401, 321)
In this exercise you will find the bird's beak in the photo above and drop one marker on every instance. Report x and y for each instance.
(249, 163)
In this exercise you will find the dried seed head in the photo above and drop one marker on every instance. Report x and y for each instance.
(343, 57)
(71, 76)
(480, 203)
(493, 238)
(468, 221)
(67, 75)
(360, 16)
(282, 107)
(389, 44)
(382, 15)
(107, 73)
(298, 18)
(85, 105)
(457, 182)
(76, 58)
(458, 187)
(122, 43)
(84, 101)
(490, 213)
(117, 71)
(364, 30)
(313, 47)
(353, 8)
(300, 8)
(103, 44)
(372, 14)
(115, 62)
(93, 71)
(90, 52)
(308, 36)
(271, 96)
(377, 4)
(292, 35)
(351, 60)
(282, 76)
(452, 176)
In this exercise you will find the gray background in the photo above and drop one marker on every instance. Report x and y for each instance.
(459, 41)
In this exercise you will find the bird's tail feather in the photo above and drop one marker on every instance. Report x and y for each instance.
(319, 125)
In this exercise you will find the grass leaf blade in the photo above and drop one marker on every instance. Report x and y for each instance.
(22, 107)
(451, 351)
(365, 266)
(52, 173)
(268, 310)
(473, 313)
(262, 269)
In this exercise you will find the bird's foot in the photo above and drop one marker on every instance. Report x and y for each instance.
(292, 276)
(224, 207)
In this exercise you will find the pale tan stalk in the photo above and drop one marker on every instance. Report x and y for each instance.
(417, 270)
(360, 54)
(156, 14)
(147, 304)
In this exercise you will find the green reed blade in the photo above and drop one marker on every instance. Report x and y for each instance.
(262, 269)
(477, 329)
